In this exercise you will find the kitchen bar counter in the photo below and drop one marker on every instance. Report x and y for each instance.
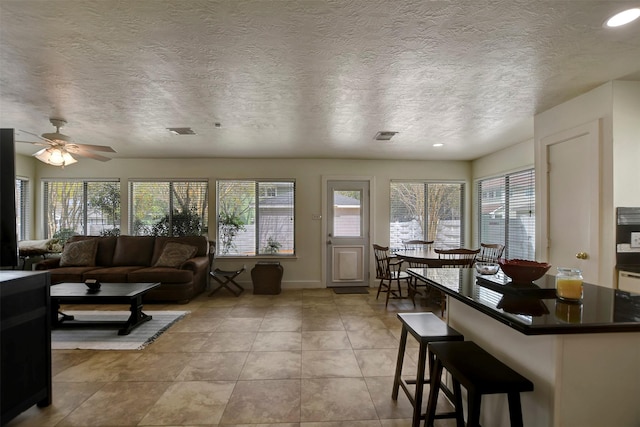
(583, 359)
(533, 309)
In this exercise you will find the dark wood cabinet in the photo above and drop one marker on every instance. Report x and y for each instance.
(25, 338)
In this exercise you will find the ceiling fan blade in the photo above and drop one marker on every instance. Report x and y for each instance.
(29, 133)
(35, 143)
(95, 147)
(37, 136)
(86, 153)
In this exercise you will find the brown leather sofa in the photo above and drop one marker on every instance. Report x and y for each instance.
(127, 259)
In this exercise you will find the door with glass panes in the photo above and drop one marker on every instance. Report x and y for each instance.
(347, 240)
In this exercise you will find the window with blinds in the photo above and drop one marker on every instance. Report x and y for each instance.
(84, 207)
(23, 207)
(426, 211)
(256, 217)
(168, 208)
(506, 207)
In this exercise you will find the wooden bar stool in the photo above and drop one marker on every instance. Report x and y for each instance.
(425, 328)
(479, 373)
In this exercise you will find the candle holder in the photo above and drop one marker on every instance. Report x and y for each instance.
(569, 284)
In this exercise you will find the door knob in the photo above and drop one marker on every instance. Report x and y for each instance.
(582, 255)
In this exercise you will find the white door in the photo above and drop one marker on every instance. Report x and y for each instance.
(572, 199)
(347, 248)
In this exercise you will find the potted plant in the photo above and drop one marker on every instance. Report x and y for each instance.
(273, 246)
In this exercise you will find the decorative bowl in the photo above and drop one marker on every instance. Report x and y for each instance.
(487, 267)
(522, 270)
(93, 285)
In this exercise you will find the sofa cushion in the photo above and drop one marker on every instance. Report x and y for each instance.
(112, 274)
(106, 247)
(133, 250)
(69, 274)
(174, 254)
(161, 274)
(79, 254)
(199, 242)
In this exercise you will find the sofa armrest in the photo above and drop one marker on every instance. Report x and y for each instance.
(47, 264)
(196, 264)
(200, 268)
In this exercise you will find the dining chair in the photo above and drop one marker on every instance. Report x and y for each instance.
(460, 257)
(388, 270)
(454, 258)
(414, 282)
(416, 244)
(490, 252)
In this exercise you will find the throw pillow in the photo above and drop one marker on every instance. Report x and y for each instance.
(174, 254)
(79, 254)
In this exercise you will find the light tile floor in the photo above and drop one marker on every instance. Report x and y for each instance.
(304, 358)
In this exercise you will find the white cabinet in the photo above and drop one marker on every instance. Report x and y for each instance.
(629, 281)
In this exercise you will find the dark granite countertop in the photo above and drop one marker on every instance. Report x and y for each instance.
(533, 308)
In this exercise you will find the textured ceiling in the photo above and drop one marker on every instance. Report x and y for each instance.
(303, 78)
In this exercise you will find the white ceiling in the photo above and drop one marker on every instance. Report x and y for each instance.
(303, 78)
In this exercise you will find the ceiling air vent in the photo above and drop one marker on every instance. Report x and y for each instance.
(181, 131)
(384, 135)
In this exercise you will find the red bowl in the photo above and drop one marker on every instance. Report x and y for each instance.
(522, 270)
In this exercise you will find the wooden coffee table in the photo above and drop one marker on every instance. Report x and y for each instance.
(109, 293)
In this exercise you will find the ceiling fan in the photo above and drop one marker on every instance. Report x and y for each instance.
(59, 148)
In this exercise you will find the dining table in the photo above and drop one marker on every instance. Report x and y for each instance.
(427, 256)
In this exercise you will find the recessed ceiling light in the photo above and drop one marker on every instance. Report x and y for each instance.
(438, 144)
(181, 131)
(384, 135)
(623, 17)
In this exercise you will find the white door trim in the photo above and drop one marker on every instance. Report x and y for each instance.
(372, 215)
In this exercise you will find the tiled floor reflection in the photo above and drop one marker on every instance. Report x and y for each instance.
(304, 358)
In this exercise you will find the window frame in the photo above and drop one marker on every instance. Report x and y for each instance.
(505, 194)
(85, 200)
(258, 193)
(424, 225)
(171, 182)
(23, 207)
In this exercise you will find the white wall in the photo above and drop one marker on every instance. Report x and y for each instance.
(306, 269)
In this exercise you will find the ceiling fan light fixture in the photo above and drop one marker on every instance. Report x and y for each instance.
(55, 157)
(623, 18)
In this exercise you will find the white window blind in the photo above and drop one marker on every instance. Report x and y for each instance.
(23, 206)
(426, 211)
(506, 207)
(168, 208)
(256, 217)
(84, 207)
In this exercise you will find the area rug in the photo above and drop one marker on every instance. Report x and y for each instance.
(351, 290)
(102, 338)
